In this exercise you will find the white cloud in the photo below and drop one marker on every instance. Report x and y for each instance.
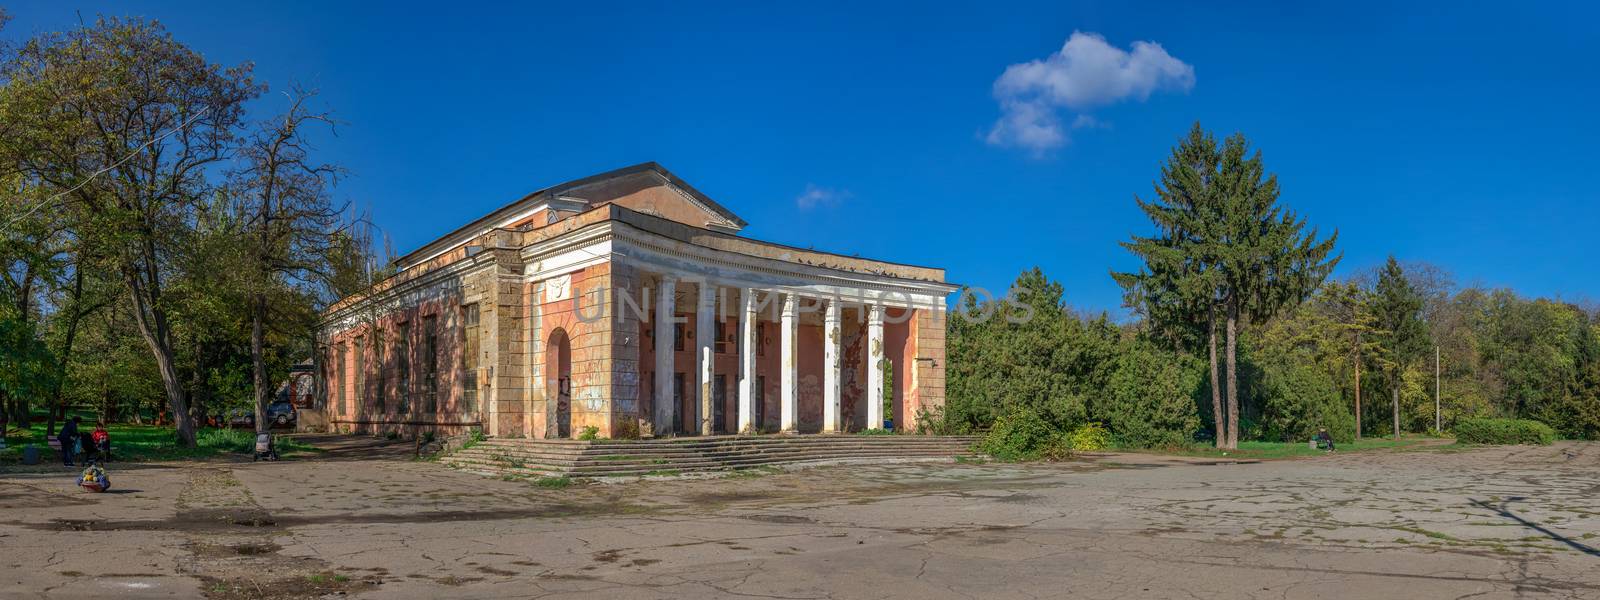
(1089, 122)
(1087, 73)
(815, 196)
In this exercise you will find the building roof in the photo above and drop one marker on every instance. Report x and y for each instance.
(543, 197)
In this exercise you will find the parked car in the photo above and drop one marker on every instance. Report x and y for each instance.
(280, 414)
(240, 417)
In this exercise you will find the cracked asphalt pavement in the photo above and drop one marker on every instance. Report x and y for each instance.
(1514, 522)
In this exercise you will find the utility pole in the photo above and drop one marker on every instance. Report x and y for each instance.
(1437, 421)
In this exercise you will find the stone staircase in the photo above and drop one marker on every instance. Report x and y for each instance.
(630, 458)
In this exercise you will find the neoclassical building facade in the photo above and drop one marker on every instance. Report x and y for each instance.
(627, 304)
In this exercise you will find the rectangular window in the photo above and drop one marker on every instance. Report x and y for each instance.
(722, 337)
(761, 336)
(402, 363)
(340, 371)
(359, 378)
(677, 337)
(430, 363)
(382, 369)
(469, 358)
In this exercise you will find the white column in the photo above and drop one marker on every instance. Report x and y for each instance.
(705, 330)
(831, 362)
(789, 411)
(664, 408)
(875, 358)
(747, 363)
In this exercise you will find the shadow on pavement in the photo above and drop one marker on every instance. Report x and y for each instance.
(1504, 512)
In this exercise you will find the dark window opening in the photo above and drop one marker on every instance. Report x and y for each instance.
(430, 363)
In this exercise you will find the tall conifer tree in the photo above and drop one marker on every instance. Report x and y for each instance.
(1401, 333)
(1175, 291)
(1224, 251)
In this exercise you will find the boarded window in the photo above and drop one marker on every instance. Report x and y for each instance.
(430, 363)
(469, 358)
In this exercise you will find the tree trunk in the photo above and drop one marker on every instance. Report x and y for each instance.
(1395, 393)
(152, 321)
(1233, 378)
(258, 360)
(1217, 416)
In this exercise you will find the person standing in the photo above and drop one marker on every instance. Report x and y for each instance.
(68, 436)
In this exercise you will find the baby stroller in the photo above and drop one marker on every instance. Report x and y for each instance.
(94, 479)
(265, 448)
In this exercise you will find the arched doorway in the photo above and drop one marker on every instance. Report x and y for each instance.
(558, 379)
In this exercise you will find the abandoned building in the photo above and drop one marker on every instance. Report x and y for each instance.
(627, 304)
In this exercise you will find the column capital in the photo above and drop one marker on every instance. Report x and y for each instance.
(875, 311)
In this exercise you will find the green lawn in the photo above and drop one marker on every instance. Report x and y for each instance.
(144, 443)
(1294, 449)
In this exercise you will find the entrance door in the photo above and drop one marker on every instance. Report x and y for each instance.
(719, 409)
(558, 374)
(685, 404)
(761, 402)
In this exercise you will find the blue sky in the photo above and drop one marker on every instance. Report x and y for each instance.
(1460, 134)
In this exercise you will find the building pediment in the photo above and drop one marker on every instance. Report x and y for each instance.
(646, 188)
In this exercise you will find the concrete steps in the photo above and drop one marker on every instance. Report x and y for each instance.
(630, 458)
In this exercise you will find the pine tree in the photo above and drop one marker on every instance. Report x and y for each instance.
(1175, 290)
(1401, 334)
(1225, 250)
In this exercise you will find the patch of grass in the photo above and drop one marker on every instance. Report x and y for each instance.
(663, 472)
(150, 443)
(1428, 533)
(554, 483)
(474, 438)
(877, 431)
